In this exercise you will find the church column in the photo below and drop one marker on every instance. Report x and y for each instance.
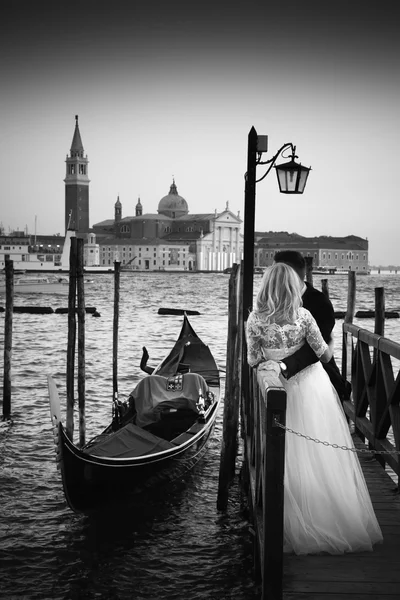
(214, 248)
(230, 259)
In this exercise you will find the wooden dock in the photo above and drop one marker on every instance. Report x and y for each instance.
(356, 576)
(371, 362)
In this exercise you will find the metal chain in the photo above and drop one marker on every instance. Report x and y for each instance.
(336, 446)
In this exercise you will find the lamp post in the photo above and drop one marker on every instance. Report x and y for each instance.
(292, 178)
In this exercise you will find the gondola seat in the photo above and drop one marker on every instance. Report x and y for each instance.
(157, 396)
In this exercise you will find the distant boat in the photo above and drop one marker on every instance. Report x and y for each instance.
(16, 271)
(336, 271)
(27, 258)
(324, 270)
(39, 284)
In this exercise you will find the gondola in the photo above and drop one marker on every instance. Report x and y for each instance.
(160, 433)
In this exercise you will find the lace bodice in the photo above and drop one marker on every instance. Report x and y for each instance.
(270, 341)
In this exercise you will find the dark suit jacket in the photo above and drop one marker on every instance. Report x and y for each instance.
(322, 310)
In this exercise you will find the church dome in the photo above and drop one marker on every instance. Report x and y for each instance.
(173, 205)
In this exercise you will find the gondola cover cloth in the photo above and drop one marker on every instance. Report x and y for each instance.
(155, 394)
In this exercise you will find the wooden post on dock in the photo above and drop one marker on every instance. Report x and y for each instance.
(379, 407)
(325, 287)
(8, 326)
(232, 396)
(71, 339)
(380, 311)
(351, 297)
(117, 266)
(309, 268)
(348, 318)
(81, 340)
(274, 493)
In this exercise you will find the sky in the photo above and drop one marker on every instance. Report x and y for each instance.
(172, 88)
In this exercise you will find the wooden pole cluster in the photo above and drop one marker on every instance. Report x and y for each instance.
(8, 326)
(232, 387)
(76, 290)
(81, 341)
(71, 339)
(117, 268)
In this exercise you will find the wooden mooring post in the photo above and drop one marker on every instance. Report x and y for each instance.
(8, 331)
(232, 387)
(309, 268)
(76, 296)
(379, 311)
(71, 339)
(117, 268)
(81, 340)
(325, 287)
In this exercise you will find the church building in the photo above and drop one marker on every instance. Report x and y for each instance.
(171, 239)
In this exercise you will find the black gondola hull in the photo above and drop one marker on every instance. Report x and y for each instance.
(90, 485)
(92, 481)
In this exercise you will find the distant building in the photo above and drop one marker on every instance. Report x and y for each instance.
(171, 239)
(348, 253)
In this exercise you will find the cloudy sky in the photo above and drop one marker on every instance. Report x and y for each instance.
(172, 88)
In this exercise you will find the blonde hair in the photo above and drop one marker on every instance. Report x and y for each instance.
(279, 297)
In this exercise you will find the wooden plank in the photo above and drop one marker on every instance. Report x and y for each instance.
(348, 596)
(339, 587)
(354, 576)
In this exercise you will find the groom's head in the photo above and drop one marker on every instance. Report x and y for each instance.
(294, 259)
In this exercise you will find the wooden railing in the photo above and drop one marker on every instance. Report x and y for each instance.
(375, 404)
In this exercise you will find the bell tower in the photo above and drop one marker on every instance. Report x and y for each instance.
(77, 186)
(139, 208)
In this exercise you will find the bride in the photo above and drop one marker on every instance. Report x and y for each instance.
(327, 504)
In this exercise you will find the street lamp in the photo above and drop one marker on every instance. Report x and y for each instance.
(292, 178)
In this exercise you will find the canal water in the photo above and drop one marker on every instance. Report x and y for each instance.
(176, 545)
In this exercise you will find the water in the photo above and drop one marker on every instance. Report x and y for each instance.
(174, 546)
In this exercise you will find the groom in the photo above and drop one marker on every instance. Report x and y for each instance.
(322, 310)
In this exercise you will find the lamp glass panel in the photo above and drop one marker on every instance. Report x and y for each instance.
(281, 180)
(303, 180)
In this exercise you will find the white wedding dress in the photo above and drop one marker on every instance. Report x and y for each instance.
(327, 503)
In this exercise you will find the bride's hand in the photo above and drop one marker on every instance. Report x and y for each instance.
(270, 365)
